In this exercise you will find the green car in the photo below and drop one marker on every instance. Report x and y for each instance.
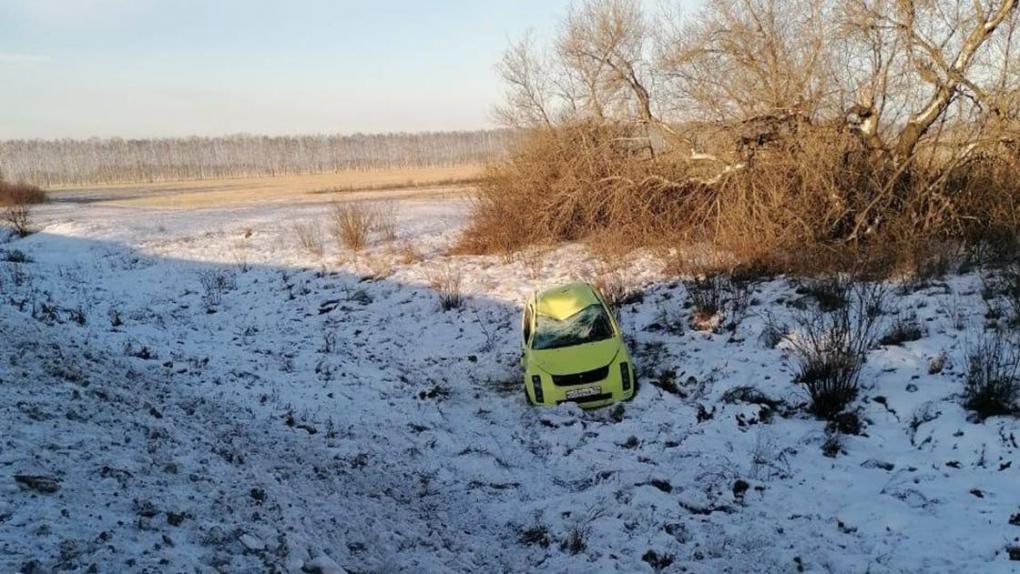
(573, 349)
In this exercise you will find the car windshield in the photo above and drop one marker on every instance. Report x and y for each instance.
(586, 326)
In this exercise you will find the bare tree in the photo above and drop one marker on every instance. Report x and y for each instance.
(948, 71)
(584, 84)
(868, 72)
(606, 42)
(922, 58)
(737, 60)
(529, 89)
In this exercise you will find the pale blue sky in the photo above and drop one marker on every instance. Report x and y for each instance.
(134, 68)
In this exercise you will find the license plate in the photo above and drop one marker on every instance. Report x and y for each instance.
(581, 393)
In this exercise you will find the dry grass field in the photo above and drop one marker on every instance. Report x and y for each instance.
(289, 188)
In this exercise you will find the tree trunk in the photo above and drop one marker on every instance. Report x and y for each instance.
(919, 123)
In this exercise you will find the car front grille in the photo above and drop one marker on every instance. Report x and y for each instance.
(587, 377)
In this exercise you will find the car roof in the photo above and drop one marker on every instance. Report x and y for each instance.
(566, 300)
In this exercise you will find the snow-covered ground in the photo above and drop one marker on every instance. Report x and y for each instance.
(200, 393)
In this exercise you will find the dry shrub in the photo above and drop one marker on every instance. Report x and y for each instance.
(719, 300)
(609, 276)
(19, 218)
(1007, 283)
(827, 204)
(904, 329)
(789, 196)
(310, 237)
(613, 287)
(992, 387)
(379, 266)
(616, 288)
(447, 281)
(808, 198)
(611, 247)
(16, 200)
(352, 224)
(535, 259)
(386, 221)
(706, 295)
(933, 261)
(566, 184)
(830, 348)
(408, 253)
(701, 259)
(239, 253)
(214, 284)
(20, 194)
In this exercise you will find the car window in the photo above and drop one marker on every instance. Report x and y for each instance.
(527, 323)
(586, 326)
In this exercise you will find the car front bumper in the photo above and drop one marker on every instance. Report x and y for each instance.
(604, 393)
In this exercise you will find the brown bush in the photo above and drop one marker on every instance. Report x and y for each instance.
(813, 200)
(568, 183)
(352, 224)
(20, 194)
(16, 200)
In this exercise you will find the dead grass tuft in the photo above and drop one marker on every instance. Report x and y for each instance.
(310, 237)
(386, 221)
(355, 224)
(408, 253)
(447, 281)
(352, 224)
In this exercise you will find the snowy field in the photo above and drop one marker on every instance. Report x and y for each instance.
(194, 391)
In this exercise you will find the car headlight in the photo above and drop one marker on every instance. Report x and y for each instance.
(536, 385)
(625, 376)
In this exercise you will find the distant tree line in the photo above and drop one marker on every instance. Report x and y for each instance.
(50, 163)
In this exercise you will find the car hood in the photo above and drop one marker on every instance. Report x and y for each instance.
(579, 358)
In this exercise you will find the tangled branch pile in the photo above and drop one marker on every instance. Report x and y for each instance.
(794, 135)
